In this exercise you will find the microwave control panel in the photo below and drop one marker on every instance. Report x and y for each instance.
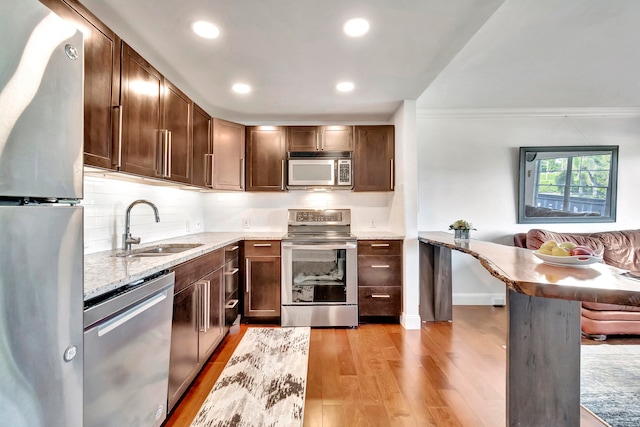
(344, 172)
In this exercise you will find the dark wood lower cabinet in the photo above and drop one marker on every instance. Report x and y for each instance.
(198, 320)
(379, 278)
(262, 279)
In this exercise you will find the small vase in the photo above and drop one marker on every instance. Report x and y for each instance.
(461, 236)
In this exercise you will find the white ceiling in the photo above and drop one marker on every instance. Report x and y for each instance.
(460, 53)
(547, 54)
(293, 52)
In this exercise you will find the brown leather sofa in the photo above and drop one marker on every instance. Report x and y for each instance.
(620, 249)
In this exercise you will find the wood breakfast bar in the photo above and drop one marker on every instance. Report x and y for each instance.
(543, 303)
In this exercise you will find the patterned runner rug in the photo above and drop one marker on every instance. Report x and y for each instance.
(610, 383)
(263, 384)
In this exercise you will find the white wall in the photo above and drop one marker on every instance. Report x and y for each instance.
(468, 169)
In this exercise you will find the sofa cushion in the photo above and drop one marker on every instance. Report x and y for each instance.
(621, 248)
(599, 306)
(536, 237)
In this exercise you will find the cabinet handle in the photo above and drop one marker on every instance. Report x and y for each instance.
(242, 174)
(380, 296)
(282, 178)
(169, 147)
(232, 272)
(119, 140)
(208, 170)
(392, 177)
(248, 277)
(231, 304)
(234, 248)
(379, 245)
(380, 266)
(262, 245)
(160, 154)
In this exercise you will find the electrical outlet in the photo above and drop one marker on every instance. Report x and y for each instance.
(246, 223)
(372, 224)
(198, 225)
(188, 226)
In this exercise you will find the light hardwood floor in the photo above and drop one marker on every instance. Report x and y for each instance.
(446, 374)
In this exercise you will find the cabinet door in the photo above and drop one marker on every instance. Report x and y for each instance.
(211, 312)
(183, 365)
(202, 148)
(265, 158)
(228, 155)
(373, 164)
(141, 115)
(262, 287)
(101, 83)
(336, 138)
(177, 122)
(303, 138)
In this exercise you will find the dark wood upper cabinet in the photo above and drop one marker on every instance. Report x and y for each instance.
(156, 122)
(142, 138)
(265, 158)
(202, 148)
(228, 155)
(178, 114)
(101, 83)
(319, 138)
(373, 158)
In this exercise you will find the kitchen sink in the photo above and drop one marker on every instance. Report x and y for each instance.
(159, 250)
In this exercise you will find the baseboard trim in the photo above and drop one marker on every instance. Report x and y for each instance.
(410, 321)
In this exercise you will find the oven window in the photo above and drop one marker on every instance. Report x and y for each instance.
(319, 276)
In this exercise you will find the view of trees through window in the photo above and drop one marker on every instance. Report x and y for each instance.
(573, 177)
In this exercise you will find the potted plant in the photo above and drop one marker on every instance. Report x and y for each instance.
(461, 229)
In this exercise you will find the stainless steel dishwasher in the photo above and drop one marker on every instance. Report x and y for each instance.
(127, 338)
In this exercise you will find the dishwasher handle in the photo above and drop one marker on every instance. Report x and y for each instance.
(134, 311)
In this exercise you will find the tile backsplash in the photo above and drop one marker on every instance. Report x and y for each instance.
(186, 212)
(105, 203)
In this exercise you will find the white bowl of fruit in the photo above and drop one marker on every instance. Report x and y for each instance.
(566, 254)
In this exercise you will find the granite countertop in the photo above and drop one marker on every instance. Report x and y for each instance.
(104, 271)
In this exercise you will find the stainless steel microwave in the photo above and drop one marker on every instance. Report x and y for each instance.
(319, 172)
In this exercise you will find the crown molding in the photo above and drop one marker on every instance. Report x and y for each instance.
(472, 113)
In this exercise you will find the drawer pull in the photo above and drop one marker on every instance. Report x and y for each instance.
(231, 304)
(232, 272)
(380, 266)
(379, 245)
(380, 296)
(233, 248)
(262, 245)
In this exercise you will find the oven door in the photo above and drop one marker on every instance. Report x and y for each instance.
(322, 273)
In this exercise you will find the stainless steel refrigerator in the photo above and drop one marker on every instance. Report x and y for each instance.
(41, 223)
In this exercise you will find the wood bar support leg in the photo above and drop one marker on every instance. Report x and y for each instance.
(543, 362)
(435, 283)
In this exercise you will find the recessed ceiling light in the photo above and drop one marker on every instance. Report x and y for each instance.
(241, 88)
(345, 86)
(356, 27)
(205, 29)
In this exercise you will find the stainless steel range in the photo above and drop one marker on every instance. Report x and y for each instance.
(319, 272)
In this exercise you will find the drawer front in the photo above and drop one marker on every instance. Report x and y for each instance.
(376, 270)
(261, 248)
(380, 301)
(231, 277)
(191, 271)
(231, 252)
(379, 247)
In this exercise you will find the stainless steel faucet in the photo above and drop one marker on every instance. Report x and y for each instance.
(127, 239)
